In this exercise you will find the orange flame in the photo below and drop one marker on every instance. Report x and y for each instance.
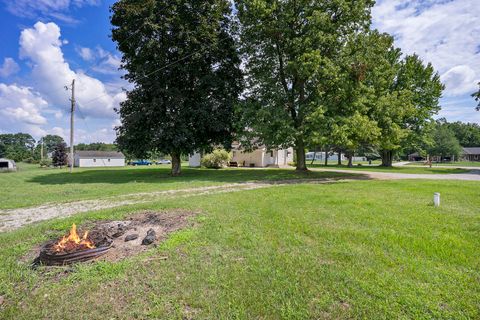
(73, 241)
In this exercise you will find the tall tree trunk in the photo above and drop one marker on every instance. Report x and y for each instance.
(326, 158)
(339, 160)
(300, 152)
(176, 164)
(314, 155)
(350, 159)
(387, 158)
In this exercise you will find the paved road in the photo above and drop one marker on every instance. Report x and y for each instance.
(473, 175)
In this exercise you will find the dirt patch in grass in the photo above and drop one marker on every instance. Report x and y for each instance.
(162, 223)
(128, 237)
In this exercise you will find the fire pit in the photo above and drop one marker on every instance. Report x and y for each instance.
(111, 240)
(72, 248)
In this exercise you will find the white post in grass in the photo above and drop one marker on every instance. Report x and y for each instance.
(436, 199)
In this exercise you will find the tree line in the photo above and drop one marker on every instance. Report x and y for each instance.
(299, 74)
(23, 147)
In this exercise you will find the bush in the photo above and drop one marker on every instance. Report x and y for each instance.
(217, 159)
(45, 163)
(30, 160)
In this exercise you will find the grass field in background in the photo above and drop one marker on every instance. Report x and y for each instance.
(346, 250)
(32, 185)
(399, 169)
(450, 164)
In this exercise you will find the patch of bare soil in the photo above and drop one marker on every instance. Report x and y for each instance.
(129, 237)
(138, 228)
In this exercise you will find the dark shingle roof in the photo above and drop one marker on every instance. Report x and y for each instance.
(100, 154)
(475, 150)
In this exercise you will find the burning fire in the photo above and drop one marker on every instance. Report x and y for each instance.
(74, 242)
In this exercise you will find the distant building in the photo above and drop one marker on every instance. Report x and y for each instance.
(415, 157)
(99, 159)
(471, 154)
(7, 165)
(260, 157)
(320, 156)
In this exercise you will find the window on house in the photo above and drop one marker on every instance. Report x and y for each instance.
(94, 160)
(108, 160)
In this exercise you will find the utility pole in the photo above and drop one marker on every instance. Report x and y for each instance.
(41, 150)
(72, 100)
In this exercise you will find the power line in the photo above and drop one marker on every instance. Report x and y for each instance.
(159, 69)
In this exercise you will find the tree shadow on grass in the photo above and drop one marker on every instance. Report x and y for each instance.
(162, 175)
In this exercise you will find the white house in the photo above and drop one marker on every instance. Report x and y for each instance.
(99, 159)
(261, 157)
(7, 165)
(320, 156)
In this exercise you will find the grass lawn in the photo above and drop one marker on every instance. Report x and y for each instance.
(32, 185)
(400, 169)
(347, 250)
(450, 164)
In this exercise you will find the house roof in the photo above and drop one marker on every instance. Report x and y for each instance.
(475, 150)
(7, 160)
(99, 154)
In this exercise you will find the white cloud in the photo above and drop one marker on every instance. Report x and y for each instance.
(21, 109)
(42, 46)
(460, 79)
(442, 32)
(9, 67)
(99, 135)
(102, 61)
(85, 53)
(46, 9)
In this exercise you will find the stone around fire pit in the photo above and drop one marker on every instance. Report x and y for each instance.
(131, 237)
(150, 238)
(123, 237)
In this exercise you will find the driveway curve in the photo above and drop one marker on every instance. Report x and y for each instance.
(473, 175)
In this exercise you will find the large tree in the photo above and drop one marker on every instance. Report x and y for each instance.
(468, 134)
(407, 94)
(50, 141)
(291, 49)
(347, 121)
(59, 155)
(445, 144)
(182, 59)
(18, 146)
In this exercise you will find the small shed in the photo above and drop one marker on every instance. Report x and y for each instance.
(471, 154)
(7, 165)
(99, 159)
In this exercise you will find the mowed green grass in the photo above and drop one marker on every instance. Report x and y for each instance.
(32, 185)
(396, 169)
(346, 250)
(449, 164)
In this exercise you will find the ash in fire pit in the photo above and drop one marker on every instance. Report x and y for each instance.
(112, 240)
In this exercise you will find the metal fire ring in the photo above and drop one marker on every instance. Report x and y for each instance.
(68, 258)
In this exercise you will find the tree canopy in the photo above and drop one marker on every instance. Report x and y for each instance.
(60, 156)
(445, 144)
(476, 96)
(291, 50)
(182, 59)
(468, 134)
(18, 146)
(96, 146)
(50, 141)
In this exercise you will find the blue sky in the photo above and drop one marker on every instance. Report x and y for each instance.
(47, 43)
